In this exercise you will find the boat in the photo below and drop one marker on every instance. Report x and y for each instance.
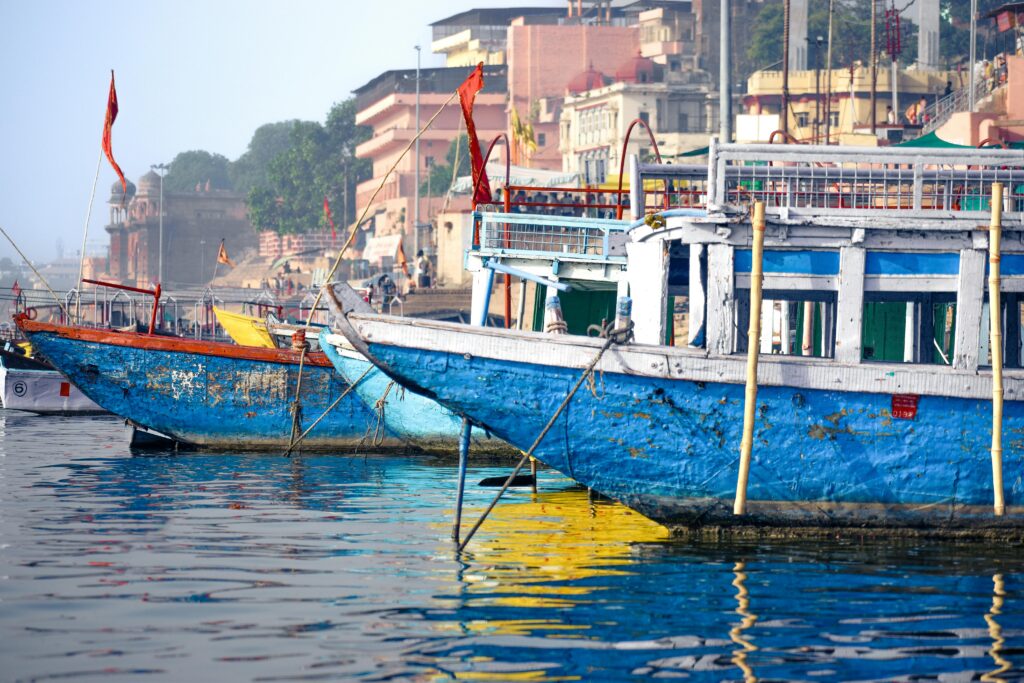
(874, 405)
(34, 386)
(422, 423)
(207, 394)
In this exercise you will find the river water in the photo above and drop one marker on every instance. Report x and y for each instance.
(238, 567)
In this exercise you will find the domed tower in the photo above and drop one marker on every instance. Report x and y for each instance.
(639, 69)
(119, 201)
(586, 80)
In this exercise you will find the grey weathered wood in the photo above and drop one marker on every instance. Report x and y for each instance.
(970, 292)
(647, 273)
(721, 319)
(697, 294)
(850, 306)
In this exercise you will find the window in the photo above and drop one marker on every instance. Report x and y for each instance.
(684, 123)
(909, 327)
(645, 117)
(801, 119)
(542, 139)
(428, 161)
(833, 119)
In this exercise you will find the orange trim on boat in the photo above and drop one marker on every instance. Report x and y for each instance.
(171, 344)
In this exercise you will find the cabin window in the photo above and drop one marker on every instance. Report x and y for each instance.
(792, 323)
(1013, 334)
(909, 327)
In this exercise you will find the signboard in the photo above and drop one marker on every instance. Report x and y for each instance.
(904, 406)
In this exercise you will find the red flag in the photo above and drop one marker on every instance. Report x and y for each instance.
(467, 94)
(16, 290)
(107, 125)
(327, 212)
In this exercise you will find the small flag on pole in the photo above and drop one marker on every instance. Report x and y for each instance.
(106, 144)
(330, 220)
(16, 290)
(402, 261)
(222, 256)
(467, 95)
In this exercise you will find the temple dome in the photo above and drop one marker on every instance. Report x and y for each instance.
(117, 192)
(639, 69)
(586, 80)
(150, 181)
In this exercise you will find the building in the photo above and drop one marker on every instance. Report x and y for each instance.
(194, 225)
(387, 104)
(849, 105)
(680, 107)
(481, 35)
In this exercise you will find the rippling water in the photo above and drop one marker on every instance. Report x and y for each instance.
(223, 567)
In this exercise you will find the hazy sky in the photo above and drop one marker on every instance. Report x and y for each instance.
(191, 74)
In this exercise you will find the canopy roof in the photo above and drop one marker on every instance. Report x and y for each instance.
(520, 175)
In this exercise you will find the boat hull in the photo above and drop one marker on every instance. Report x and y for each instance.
(420, 421)
(46, 392)
(668, 446)
(207, 394)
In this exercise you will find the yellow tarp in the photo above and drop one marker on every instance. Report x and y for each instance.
(245, 330)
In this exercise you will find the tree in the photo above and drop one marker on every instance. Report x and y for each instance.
(440, 177)
(196, 168)
(319, 162)
(268, 142)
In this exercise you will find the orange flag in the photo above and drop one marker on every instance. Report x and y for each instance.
(402, 260)
(467, 95)
(108, 123)
(330, 220)
(222, 256)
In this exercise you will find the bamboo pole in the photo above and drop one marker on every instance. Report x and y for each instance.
(753, 345)
(995, 324)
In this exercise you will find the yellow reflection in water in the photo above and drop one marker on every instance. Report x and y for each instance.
(995, 631)
(739, 657)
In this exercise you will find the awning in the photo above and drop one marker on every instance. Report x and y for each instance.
(930, 140)
(520, 175)
(700, 152)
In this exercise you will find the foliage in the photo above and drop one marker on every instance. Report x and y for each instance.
(318, 162)
(440, 178)
(268, 142)
(196, 168)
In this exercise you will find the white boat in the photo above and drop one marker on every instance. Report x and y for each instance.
(34, 386)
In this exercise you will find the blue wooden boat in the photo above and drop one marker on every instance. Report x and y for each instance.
(875, 402)
(208, 394)
(420, 422)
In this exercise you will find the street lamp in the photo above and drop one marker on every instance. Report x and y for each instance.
(818, 41)
(416, 200)
(161, 170)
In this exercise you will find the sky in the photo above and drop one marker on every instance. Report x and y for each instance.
(191, 74)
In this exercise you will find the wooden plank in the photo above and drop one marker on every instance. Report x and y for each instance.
(850, 306)
(647, 273)
(697, 296)
(970, 291)
(721, 315)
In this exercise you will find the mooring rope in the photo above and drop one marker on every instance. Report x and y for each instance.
(614, 337)
(379, 429)
(352, 236)
(324, 414)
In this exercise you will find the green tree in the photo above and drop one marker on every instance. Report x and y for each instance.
(319, 162)
(268, 142)
(197, 168)
(440, 177)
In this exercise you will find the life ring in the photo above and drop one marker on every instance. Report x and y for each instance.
(31, 313)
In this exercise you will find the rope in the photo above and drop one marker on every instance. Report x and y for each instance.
(41, 278)
(556, 327)
(612, 339)
(329, 409)
(379, 429)
(352, 236)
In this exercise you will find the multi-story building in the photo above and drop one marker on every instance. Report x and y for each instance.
(387, 104)
(680, 107)
(194, 223)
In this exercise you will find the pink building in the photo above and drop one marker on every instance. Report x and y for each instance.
(387, 104)
(543, 58)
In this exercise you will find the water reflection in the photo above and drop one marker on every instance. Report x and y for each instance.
(244, 567)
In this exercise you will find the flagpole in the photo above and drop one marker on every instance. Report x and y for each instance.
(85, 235)
(216, 263)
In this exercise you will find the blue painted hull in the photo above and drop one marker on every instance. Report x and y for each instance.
(212, 399)
(669, 448)
(418, 420)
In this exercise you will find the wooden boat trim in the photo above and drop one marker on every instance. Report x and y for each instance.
(665, 362)
(172, 344)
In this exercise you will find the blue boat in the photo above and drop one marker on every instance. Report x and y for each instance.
(422, 423)
(874, 403)
(209, 394)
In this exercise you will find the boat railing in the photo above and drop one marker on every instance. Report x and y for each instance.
(539, 235)
(155, 293)
(806, 180)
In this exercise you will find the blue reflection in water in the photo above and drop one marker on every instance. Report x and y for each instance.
(257, 567)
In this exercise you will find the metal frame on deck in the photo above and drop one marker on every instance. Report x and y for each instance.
(564, 237)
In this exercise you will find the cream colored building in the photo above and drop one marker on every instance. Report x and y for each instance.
(681, 112)
(851, 97)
